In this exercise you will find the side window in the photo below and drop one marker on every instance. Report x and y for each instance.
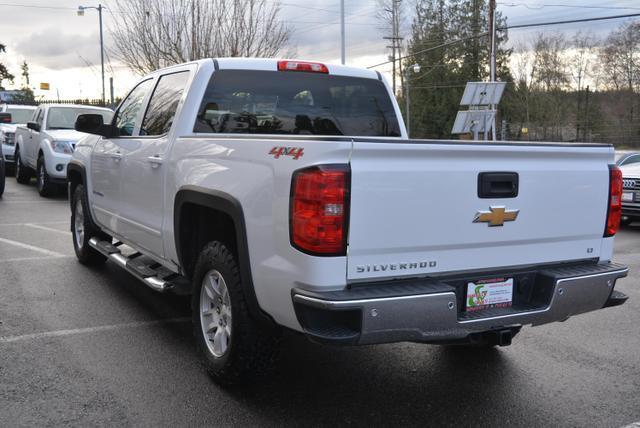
(39, 117)
(632, 159)
(125, 117)
(164, 103)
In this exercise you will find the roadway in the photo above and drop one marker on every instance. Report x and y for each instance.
(94, 347)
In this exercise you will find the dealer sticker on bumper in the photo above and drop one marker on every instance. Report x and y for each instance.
(489, 293)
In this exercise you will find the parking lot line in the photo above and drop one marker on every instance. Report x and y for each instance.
(75, 331)
(39, 223)
(31, 247)
(22, 259)
(49, 229)
(30, 202)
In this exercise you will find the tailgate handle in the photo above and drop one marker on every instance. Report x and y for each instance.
(493, 185)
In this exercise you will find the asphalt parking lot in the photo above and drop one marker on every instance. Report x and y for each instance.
(93, 347)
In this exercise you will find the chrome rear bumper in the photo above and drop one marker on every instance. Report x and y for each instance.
(359, 316)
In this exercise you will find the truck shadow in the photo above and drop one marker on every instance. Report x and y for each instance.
(369, 385)
(374, 385)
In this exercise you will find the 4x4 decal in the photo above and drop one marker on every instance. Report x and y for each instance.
(295, 152)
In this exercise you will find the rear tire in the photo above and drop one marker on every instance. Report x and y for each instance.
(22, 172)
(234, 347)
(45, 186)
(82, 230)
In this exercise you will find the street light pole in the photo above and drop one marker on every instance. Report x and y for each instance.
(342, 34)
(101, 51)
(492, 65)
(99, 8)
(407, 108)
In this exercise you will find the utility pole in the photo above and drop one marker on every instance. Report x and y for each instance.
(342, 35)
(587, 137)
(111, 90)
(395, 41)
(492, 28)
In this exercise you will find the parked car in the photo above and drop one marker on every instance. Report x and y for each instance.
(286, 194)
(44, 146)
(627, 158)
(630, 193)
(19, 114)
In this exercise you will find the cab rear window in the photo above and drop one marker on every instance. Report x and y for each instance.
(274, 102)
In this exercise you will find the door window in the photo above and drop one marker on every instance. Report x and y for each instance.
(125, 117)
(40, 117)
(631, 159)
(164, 103)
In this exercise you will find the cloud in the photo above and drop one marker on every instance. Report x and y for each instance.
(59, 51)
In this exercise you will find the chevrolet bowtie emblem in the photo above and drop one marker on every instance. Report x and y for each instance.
(496, 216)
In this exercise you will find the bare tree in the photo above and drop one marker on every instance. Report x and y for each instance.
(151, 34)
(620, 57)
(551, 62)
(523, 72)
(582, 60)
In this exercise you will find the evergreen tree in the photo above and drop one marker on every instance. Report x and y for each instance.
(4, 73)
(436, 91)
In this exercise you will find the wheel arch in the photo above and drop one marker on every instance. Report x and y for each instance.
(77, 174)
(226, 206)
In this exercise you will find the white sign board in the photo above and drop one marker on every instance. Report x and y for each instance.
(482, 93)
(473, 121)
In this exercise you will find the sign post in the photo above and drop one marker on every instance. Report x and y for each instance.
(482, 99)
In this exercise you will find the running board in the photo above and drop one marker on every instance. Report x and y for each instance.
(153, 275)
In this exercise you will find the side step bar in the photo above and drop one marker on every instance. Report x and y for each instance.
(154, 276)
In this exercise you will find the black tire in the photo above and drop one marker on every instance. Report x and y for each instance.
(45, 186)
(252, 349)
(2, 179)
(626, 221)
(84, 252)
(22, 172)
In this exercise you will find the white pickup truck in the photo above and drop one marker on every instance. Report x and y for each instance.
(18, 115)
(285, 194)
(44, 146)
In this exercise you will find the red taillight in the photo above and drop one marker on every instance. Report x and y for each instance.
(319, 209)
(310, 67)
(615, 201)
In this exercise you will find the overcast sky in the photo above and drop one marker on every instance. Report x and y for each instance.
(63, 48)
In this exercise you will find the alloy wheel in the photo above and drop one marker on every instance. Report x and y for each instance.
(215, 313)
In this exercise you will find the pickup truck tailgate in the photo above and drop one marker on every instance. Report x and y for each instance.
(413, 206)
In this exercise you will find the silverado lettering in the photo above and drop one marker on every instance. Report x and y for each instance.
(395, 266)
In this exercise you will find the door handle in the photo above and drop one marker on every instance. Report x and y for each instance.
(155, 161)
(116, 156)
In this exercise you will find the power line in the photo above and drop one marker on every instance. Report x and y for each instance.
(570, 21)
(542, 6)
(33, 6)
(452, 42)
(509, 27)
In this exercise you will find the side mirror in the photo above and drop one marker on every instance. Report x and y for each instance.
(5, 117)
(33, 126)
(94, 124)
